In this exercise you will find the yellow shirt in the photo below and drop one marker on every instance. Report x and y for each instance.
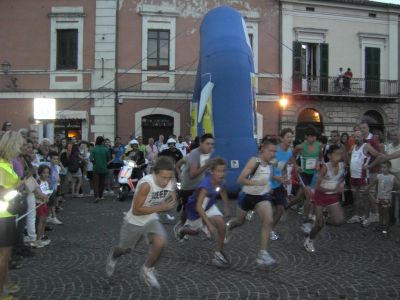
(8, 180)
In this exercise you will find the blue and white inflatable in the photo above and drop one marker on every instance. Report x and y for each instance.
(224, 97)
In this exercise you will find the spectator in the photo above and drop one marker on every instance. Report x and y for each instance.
(346, 79)
(100, 157)
(6, 126)
(10, 147)
(172, 151)
(151, 153)
(182, 146)
(74, 169)
(33, 136)
(160, 142)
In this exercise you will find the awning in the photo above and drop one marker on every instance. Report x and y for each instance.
(71, 114)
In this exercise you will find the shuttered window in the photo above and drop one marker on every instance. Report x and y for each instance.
(67, 49)
(158, 49)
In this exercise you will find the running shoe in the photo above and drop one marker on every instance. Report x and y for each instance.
(385, 229)
(354, 219)
(364, 221)
(45, 242)
(250, 215)
(219, 259)
(273, 236)
(373, 218)
(54, 221)
(110, 264)
(306, 227)
(149, 277)
(264, 259)
(309, 245)
(228, 233)
(178, 232)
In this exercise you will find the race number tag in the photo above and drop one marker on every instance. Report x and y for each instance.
(311, 163)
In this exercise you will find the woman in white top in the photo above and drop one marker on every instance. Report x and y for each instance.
(155, 193)
(330, 184)
(255, 195)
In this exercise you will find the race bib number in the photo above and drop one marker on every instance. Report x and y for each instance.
(311, 163)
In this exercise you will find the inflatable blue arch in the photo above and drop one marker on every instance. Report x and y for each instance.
(224, 96)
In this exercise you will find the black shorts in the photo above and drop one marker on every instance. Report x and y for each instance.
(52, 200)
(248, 202)
(8, 231)
(183, 198)
(279, 196)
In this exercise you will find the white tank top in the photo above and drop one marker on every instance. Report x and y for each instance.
(385, 186)
(358, 160)
(156, 196)
(264, 173)
(331, 180)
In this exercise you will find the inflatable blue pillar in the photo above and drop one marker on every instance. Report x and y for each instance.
(224, 97)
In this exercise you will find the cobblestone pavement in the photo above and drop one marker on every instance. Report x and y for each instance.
(350, 263)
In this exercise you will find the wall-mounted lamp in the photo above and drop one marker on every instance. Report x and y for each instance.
(5, 66)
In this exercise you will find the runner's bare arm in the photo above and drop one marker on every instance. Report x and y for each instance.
(225, 198)
(140, 197)
(246, 172)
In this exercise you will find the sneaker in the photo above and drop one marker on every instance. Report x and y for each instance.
(219, 259)
(36, 244)
(300, 210)
(364, 221)
(169, 217)
(55, 221)
(11, 288)
(309, 245)
(178, 232)
(354, 219)
(385, 230)
(273, 236)
(228, 233)
(306, 227)
(373, 218)
(45, 242)
(149, 277)
(110, 264)
(250, 215)
(8, 297)
(265, 259)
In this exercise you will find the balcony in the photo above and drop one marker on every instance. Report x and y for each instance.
(343, 87)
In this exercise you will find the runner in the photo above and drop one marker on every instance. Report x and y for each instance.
(330, 184)
(197, 162)
(311, 155)
(202, 210)
(256, 196)
(155, 193)
(280, 178)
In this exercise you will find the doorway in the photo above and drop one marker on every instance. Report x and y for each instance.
(154, 125)
(308, 116)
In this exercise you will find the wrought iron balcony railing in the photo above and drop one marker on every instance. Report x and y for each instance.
(345, 86)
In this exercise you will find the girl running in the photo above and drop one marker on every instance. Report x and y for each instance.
(330, 184)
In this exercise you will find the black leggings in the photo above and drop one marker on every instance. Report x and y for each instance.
(98, 184)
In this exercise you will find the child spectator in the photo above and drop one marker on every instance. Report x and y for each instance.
(385, 182)
(55, 170)
(42, 211)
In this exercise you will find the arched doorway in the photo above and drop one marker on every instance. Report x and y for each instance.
(374, 120)
(154, 125)
(308, 116)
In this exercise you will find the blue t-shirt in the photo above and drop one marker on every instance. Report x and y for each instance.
(212, 193)
(282, 158)
(118, 152)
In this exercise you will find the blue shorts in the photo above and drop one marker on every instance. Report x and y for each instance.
(248, 202)
(279, 196)
(308, 179)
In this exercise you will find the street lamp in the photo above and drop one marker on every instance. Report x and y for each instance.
(44, 108)
(283, 102)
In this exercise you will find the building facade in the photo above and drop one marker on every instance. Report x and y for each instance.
(120, 67)
(319, 38)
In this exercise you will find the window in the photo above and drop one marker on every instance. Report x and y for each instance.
(372, 15)
(251, 40)
(158, 49)
(67, 49)
(310, 8)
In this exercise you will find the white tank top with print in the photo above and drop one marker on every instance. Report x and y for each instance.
(358, 160)
(155, 196)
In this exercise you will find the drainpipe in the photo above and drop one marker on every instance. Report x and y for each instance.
(280, 64)
(116, 101)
